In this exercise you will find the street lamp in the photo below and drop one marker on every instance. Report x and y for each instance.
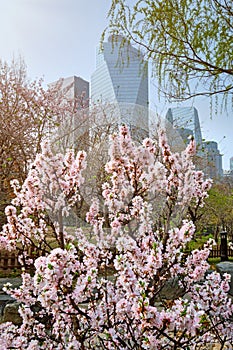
(223, 246)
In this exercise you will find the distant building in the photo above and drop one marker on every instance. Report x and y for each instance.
(212, 159)
(231, 163)
(76, 88)
(73, 130)
(186, 121)
(121, 78)
(229, 173)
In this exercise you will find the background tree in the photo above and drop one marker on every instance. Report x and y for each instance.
(188, 42)
(217, 215)
(28, 112)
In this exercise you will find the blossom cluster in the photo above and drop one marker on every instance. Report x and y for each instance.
(107, 292)
(47, 195)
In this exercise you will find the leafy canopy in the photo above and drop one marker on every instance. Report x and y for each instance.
(189, 43)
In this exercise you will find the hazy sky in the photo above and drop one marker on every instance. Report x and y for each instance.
(58, 38)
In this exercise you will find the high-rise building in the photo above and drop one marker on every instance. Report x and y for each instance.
(186, 121)
(76, 88)
(121, 78)
(73, 129)
(213, 159)
(231, 163)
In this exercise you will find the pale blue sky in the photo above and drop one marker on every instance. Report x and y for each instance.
(58, 38)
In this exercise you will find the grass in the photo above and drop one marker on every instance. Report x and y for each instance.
(214, 261)
(198, 242)
(10, 273)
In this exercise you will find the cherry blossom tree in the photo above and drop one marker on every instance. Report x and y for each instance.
(28, 112)
(105, 292)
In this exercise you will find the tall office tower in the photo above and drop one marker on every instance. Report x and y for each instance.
(213, 159)
(121, 78)
(231, 163)
(76, 88)
(186, 121)
(74, 127)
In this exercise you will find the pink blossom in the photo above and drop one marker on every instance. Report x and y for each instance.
(107, 291)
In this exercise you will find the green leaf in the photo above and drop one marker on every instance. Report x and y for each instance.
(50, 266)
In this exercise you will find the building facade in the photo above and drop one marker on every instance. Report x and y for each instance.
(231, 163)
(213, 160)
(76, 88)
(121, 78)
(186, 121)
(73, 129)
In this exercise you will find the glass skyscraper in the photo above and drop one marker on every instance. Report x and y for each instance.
(213, 159)
(121, 78)
(231, 163)
(186, 121)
